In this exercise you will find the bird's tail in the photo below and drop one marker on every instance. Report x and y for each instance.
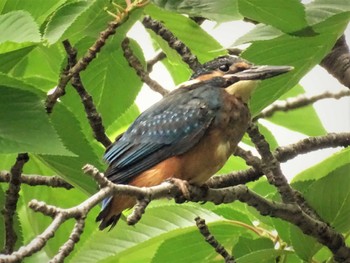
(111, 210)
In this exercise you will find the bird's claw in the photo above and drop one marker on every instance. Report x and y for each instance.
(183, 187)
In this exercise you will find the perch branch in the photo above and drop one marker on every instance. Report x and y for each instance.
(289, 212)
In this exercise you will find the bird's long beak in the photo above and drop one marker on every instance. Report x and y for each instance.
(259, 72)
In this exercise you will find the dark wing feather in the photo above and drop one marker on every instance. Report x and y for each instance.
(169, 128)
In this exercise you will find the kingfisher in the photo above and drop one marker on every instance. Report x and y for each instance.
(188, 135)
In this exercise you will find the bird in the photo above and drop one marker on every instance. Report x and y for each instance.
(188, 135)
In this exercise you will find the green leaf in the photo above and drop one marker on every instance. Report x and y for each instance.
(41, 67)
(220, 11)
(18, 27)
(191, 246)
(263, 256)
(233, 164)
(316, 12)
(63, 19)
(69, 168)
(39, 10)
(295, 119)
(157, 224)
(322, 254)
(25, 126)
(231, 212)
(12, 58)
(288, 16)
(328, 177)
(320, 10)
(123, 122)
(334, 206)
(285, 50)
(325, 167)
(92, 20)
(304, 246)
(178, 74)
(259, 32)
(246, 246)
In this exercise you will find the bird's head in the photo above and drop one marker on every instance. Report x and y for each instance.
(238, 76)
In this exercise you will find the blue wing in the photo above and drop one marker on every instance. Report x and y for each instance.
(169, 128)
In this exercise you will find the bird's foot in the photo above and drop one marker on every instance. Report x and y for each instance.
(183, 187)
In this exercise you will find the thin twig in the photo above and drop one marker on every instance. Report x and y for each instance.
(81, 65)
(249, 158)
(158, 57)
(204, 230)
(34, 180)
(11, 199)
(309, 144)
(173, 42)
(93, 116)
(135, 63)
(139, 210)
(68, 246)
(298, 102)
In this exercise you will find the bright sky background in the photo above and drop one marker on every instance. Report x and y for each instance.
(334, 114)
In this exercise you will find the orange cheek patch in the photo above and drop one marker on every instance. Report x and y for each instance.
(210, 75)
(242, 65)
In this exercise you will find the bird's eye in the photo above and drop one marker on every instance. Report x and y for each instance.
(224, 68)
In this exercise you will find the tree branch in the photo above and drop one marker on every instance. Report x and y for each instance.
(173, 42)
(135, 63)
(11, 199)
(204, 230)
(270, 165)
(82, 63)
(34, 180)
(298, 102)
(337, 62)
(289, 212)
(158, 57)
(68, 246)
(92, 115)
(282, 154)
